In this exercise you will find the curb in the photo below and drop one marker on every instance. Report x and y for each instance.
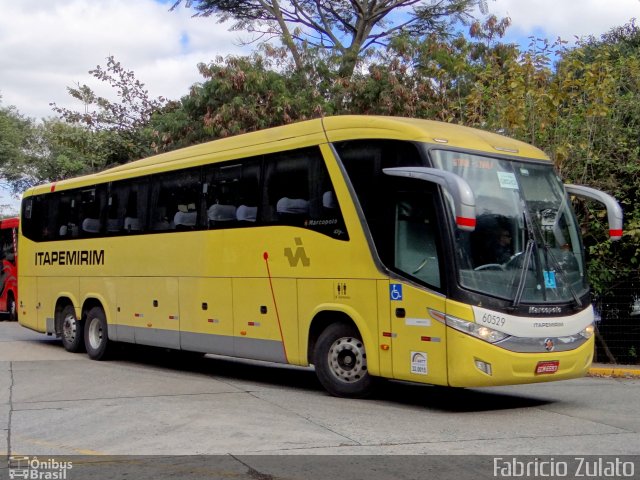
(615, 372)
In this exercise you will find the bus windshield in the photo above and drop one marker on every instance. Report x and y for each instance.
(526, 246)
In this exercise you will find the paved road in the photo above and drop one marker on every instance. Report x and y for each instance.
(154, 402)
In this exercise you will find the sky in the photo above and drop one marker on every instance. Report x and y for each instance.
(49, 45)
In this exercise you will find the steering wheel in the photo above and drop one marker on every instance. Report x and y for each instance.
(420, 266)
(515, 261)
(511, 263)
(490, 266)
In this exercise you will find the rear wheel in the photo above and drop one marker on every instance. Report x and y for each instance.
(96, 337)
(341, 362)
(72, 330)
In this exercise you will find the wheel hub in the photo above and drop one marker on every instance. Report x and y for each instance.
(69, 328)
(347, 359)
(95, 334)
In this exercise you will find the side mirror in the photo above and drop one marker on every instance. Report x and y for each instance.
(464, 201)
(614, 212)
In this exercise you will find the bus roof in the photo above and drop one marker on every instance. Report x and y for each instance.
(312, 132)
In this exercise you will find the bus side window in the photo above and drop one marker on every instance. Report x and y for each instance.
(6, 253)
(299, 192)
(175, 197)
(115, 213)
(37, 224)
(92, 205)
(68, 207)
(127, 207)
(415, 238)
(364, 161)
(231, 193)
(287, 187)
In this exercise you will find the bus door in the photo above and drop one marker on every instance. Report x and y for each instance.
(418, 336)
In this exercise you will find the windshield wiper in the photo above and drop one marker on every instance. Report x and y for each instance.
(534, 228)
(531, 243)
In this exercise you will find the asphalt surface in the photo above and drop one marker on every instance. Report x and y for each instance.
(237, 415)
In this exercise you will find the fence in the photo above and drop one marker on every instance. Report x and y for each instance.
(618, 325)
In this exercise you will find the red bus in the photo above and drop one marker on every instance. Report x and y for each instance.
(9, 272)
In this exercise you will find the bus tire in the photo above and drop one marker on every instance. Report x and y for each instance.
(12, 308)
(96, 336)
(340, 361)
(72, 330)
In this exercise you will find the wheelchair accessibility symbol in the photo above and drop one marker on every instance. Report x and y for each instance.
(395, 292)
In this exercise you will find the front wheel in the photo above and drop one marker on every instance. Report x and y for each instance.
(341, 362)
(96, 337)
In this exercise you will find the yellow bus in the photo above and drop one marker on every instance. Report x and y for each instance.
(365, 246)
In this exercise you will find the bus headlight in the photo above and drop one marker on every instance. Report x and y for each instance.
(479, 331)
(588, 331)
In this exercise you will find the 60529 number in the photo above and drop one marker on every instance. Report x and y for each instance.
(496, 320)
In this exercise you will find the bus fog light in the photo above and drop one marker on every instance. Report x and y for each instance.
(588, 331)
(484, 367)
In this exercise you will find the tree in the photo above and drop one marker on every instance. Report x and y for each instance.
(424, 78)
(105, 133)
(125, 119)
(237, 95)
(17, 138)
(32, 154)
(66, 150)
(344, 29)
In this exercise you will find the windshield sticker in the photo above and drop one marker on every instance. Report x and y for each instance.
(483, 164)
(549, 278)
(507, 180)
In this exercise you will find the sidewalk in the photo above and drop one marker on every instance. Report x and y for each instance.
(616, 371)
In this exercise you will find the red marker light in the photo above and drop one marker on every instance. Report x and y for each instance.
(466, 222)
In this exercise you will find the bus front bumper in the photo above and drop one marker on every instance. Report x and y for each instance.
(476, 363)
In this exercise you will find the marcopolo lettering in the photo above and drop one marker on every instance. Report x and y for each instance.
(70, 257)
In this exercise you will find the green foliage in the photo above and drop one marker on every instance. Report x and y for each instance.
(598, 133)
(133, 110)
(51, 151)
(17, 143)
(103, 133)
(238, 94)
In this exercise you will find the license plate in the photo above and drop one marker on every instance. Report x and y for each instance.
(547, 367)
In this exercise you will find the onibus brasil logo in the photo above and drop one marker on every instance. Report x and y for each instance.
(38, 468)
